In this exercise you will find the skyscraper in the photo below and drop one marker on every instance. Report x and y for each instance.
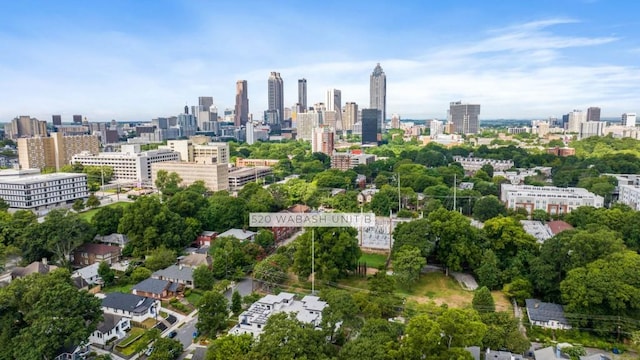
(576, 117)
(77, 119)
(334, 100)
(349, 116)
(205, 102)
(242, 103)
(302, 94)
(371, 132)
(276, 96)
(378, 92)
(464, 117)
(593, 114)
(56, 119)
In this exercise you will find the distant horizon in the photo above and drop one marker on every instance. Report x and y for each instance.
(142, 60)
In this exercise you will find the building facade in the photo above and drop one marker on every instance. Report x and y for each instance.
(242, 103)
(551, 199)
(464, 117)
(214, 176)
(629, 119)
(42, 191)
(302, 94)
(473, 164)
(323, 140)
(349, 116)
(240, 177)
(276, 96)
(371, 131)
(55, 151)
(130, 163)
(593, 114)
(25, 126)
(378, 92)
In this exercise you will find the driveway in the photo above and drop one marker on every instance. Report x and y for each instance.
(244, 287)
(467, 281)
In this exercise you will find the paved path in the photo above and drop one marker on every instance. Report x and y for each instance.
(467, 281)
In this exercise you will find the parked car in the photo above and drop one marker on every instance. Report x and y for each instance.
(149, 351)
(172, 334)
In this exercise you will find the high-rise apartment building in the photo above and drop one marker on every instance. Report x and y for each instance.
(378, 92)
(629, 119)
(56, 120)
(591, 128)
(242, 103)
(188, 125)
(323, 140)
(349, 116)
(276, 96)
(435, 128)
(302, 94)
(55, 151)
(464, 117)
(306, 122)
(371, 130)
(576, 117)
(593, 114)
(77, 119)
(395, 121)
(25, 126)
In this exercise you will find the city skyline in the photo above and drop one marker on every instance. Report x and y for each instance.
(105, 61)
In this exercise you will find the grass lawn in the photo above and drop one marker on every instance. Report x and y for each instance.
(373, 260)
(149, 323)
(131, 338)
(439, 288)
(194, 297)
(88, 215)
(502, 302)
(118, 288)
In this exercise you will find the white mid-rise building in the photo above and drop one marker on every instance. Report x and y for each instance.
(43, 191)
(629, 119)
(630, 195)
(591, 128)
(252, 321)
(473, 164)
(130, 163)
(553, 200)
(576, 117)
(436, 127)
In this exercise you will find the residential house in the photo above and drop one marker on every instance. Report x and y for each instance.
(178, 274)
(135, 307)
(73, 352)
(89, 274)
(155, 288)
(546, 315)
(282, 233)
(114, 239)
(252, 321)
(111, 327)
(39, 267)
(240, 234)
(88, 254)
(206, 238)
(195, 259)
(366, 195)
(501, 355)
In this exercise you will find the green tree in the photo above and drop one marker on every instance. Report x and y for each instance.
(187, 203)
(231, 347)
(488, 273)
(63, 231)
(272, 269)
(93, 201)
(168, 183)
(106, 220)
(336, 253)
(519, 289)
(212, 313)
(414, 233)
(166, 349)
(423, 336)
(4, 206)
(378, 340)
(78, 205)
(265, 239)
(454, 237)
(381, 300)
(461, 327)
(35, 305)
(236, 302)
(483, 300)
(503, 333)
(408, 262)
(106, 273)
(488, 169)
(203, 278)
(342, 311)
(139, 274)
(488, 207)
(160, 258)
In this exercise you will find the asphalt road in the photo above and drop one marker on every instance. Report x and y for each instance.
(185, 333)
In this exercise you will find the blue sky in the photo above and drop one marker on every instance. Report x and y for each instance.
(135, 60)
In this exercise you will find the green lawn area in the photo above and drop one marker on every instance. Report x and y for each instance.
(194, 297)
(118, 288)
(131, 338)
(373, 260)
(441, 289)
(88, 215)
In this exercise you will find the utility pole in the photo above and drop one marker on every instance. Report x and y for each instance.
(454, 191)
(313, 262)
(399, 198)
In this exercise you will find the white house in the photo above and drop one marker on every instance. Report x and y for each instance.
(253, 320)
(89, 273)
(240, 234)
(134, 307)
(111, 327)
(546, 315)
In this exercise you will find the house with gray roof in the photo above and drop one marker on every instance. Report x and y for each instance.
(546, 315)
(135, 307)
(155, 288)
(240, 234)
(178, 274)
(111, 327)
(89, 273)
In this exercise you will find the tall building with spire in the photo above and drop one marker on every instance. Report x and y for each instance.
(276, 96)
(302, 94)
(242, 103)
(378, 92)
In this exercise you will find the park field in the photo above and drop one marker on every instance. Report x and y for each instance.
(89, 214)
